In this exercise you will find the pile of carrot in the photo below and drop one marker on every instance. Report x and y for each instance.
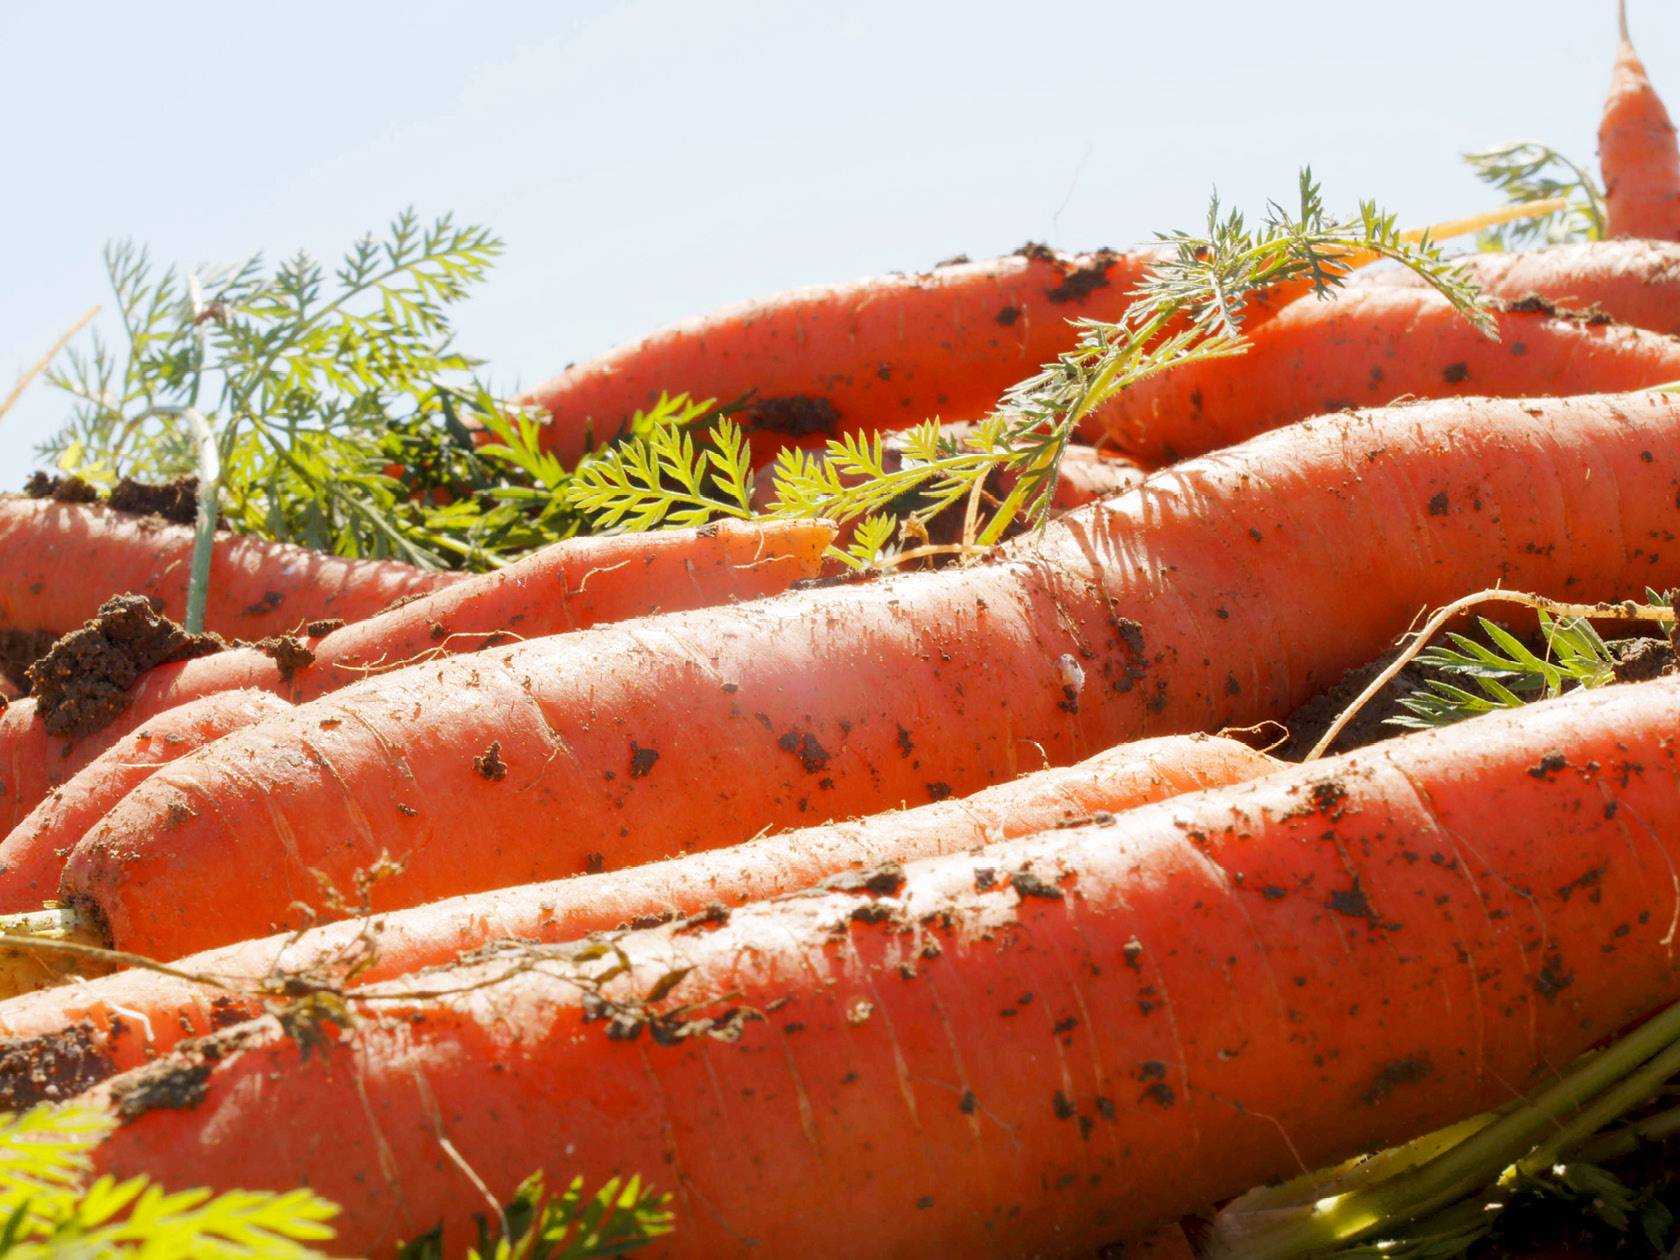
(931, 913)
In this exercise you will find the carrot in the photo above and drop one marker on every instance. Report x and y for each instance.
(1638, 153)
(880, 353)
(64, 559)
(122, 1020)
(1089, 474)
(577, 582)
(1634, 282)
(884, 352)
(1367, 347)
(32, 856)
(1217, 593)
(1022, 1052)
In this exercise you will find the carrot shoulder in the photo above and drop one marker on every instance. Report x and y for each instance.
(885, 352)
(1638, 153)
(1216, 593)
(1370, 346)
(1025, 1051)
(120, 1021)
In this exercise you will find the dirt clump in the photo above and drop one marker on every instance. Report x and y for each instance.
(287, 651)
(49, 1068)
(795, 415)
(60, 489)
(83, 681)
(175, 501)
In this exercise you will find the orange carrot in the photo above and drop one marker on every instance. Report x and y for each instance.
(1022, 1052)
(1370, 346)
(1219, 592)
(63, 560)
(1638, 152)
(121, 1020)
(1634, 282)
(880, 353)
(1089, 474)
(578, 582)
(32, 856)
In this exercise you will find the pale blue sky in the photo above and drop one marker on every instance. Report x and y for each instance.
(648, 159)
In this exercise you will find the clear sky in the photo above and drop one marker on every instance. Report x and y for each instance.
(650, 159)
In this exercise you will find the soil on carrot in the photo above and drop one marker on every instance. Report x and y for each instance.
(175, 501)
(1638, 660)
(795, 415)
(60, 489)
(84, 679)
(1369, 726)
(50, 1068)
(19, 649)
(169, 1085)
(287, 651)
(1078, 285)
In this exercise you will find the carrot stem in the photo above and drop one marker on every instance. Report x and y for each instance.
(1627, 610)
(204, 536)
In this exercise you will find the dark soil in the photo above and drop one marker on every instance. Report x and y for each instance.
(175, 501)
(50, 1068)
(83, 681)
(19, 649)
(62, 489)
(1079, 285)
(1640, 659)
(288, 652)
(169, 1085)
(489, 763)
(796, 415)
(1309, 722)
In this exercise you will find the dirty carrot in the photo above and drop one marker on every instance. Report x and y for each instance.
(1635, 282)
(32, 855)
(884, 352)
(1217, 593)
(578, 582)
(119, 1021)
(1637, 152)
(63, 560)
(1369, 347)
(879, 353)
(1028, 1050)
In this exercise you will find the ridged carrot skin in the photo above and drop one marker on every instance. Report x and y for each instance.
(883, 352)
(1635, 282)
(93, 1029)
(62, 560)
(1201, 599)
(578, 582)
(32, 855)
(1638, 154)
(1366, 348)
(1022, 1052)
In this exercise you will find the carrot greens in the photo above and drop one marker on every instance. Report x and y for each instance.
(1527, 171)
